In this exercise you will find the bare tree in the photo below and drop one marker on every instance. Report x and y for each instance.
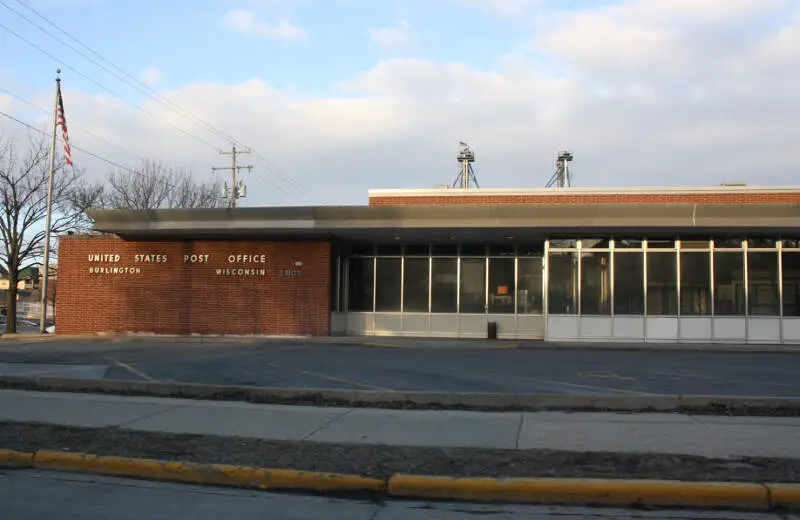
(23, 191)
(152, 186)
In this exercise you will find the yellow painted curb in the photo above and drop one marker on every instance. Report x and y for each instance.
(784, 496)
(15, 459)
(219, 474)
(585, 491)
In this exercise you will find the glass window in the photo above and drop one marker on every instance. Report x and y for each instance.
(444, 285)
(415, 285)
(761, 243)
(473, 285)
(629, 284)
(595, 243)
(530, 249)
(445, 249)
(387, 285)
(696, 284)
(657, 243)
(501, 285)
(563, 283)
(791, 243)
(595, 284)
(473, 250)
(662, 284)
(416, 250)
(529, 279)
(762, 277)
(729, 284)
(791, 283)
(360, 286)
(501, 249)
(390, 249)
(563, 243)
(728, 243)
(628, 243)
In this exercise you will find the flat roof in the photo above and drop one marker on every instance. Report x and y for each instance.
(449, 222)
(650, 190)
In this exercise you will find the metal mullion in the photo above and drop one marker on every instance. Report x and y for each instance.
(430, 283)
(745, 252)
(486, 286)
(780, 291)
(644, 287)
(713, 282)
(677, 252)
(374, 286)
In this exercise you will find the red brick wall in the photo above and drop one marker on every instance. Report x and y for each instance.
(174, 297)
(596, 198)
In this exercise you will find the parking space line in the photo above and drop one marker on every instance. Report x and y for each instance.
(385, 345)
(575, 385)
(133, 370)
(330, 378)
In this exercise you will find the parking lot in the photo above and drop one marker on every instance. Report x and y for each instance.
(420, 366)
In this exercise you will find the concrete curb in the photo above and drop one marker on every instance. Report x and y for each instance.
(391, 342)
(188, 472)
(712, 405)
(653, 493)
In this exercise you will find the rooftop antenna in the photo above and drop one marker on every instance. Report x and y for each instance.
(466, 174)
(562, 178)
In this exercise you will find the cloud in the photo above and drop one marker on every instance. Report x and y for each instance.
(151, 76)
(501, 7)
(653, 38)
(400, 36)
(248, 23)
(648, 105)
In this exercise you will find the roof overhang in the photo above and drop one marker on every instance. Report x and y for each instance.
(463, 222)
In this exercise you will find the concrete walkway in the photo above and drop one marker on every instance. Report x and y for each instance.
(708, 436)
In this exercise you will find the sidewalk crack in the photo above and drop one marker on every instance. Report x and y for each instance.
(519, 430)
(148, 416)
(328, 424)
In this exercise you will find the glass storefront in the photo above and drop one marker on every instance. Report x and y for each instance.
(576, 277)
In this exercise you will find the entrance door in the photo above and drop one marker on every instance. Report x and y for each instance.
(530, 297)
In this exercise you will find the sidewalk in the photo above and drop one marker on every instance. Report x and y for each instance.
(708, 436)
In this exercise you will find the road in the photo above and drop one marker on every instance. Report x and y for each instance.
(34, 495)
(447, 369)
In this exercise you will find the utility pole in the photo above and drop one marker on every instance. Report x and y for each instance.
(238, 189)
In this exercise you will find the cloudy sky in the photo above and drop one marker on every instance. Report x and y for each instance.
(339, 96)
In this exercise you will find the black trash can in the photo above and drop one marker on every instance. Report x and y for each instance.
(492, 330)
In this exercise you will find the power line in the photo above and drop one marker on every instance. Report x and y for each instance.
(87, 132)
(161, 99)
(84, 150)
(73, 69)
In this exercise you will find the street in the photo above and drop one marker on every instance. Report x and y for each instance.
(88, 497)
(422, 368)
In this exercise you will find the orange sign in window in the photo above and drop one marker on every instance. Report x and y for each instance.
(502, 290)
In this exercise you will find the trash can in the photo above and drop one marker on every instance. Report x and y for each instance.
(492, 330)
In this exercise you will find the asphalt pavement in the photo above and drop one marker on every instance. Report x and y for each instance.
(425, 367)
(87, 497)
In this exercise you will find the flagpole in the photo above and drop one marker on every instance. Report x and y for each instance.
(46, 263)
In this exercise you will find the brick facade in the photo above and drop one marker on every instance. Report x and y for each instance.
(167, 295)
(589, 198)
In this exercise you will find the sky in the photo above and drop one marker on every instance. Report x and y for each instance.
(336, 97)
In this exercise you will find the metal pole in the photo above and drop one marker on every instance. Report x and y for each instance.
(46, 261)
(234, 188)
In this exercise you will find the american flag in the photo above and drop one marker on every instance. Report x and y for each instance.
(62, 122)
